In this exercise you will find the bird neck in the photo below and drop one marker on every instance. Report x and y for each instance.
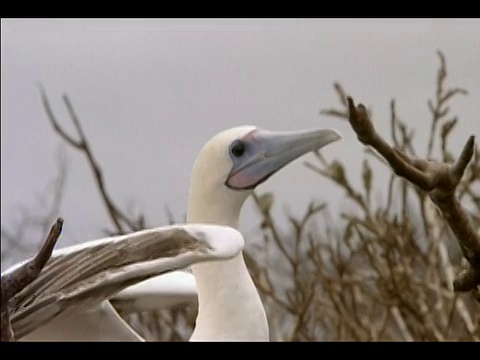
(229, 306)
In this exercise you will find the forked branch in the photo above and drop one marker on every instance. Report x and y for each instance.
(115, 214)
(438, 180)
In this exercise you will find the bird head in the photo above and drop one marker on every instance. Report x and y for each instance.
(235, 161)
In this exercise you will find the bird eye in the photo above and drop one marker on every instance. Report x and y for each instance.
(237, 149)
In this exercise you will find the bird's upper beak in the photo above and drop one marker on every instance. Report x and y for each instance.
(266, 152)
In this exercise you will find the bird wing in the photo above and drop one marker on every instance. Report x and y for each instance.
(80, 277)
(177, 288)
(99, 323)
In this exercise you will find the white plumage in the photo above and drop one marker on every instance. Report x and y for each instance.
(69, 300)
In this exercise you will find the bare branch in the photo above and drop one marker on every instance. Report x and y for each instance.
(116, 216)
(439, 180)
(436, 106)
(14, 282)
(48, 109)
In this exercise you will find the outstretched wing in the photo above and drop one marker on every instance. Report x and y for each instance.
(80, 277)
(173, 289)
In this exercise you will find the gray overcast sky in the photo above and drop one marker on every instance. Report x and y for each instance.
(157, 90)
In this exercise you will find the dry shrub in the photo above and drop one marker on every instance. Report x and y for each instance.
(383, 273)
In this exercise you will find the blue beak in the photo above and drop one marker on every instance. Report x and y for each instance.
(266, 152)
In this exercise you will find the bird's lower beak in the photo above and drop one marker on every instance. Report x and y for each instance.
(268, 151)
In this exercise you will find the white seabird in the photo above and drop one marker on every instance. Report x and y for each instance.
(225, 173)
